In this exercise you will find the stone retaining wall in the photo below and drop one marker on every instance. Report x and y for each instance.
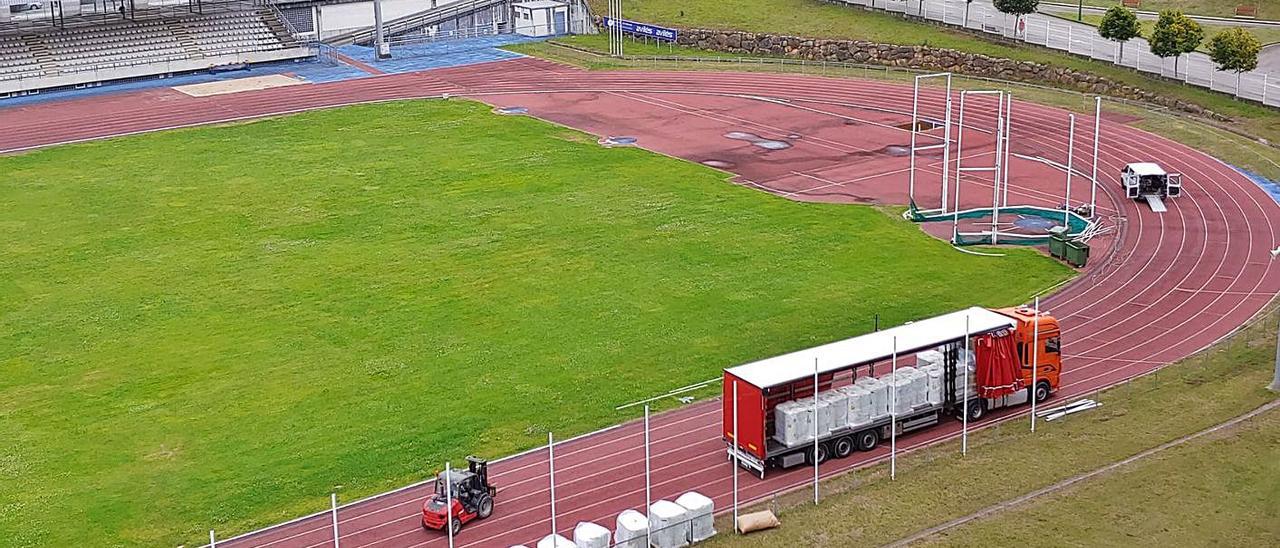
(925, 57)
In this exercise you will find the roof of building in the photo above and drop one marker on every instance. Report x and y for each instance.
(903, 340)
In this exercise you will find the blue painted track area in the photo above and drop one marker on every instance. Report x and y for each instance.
(445, 53)
(1267, 185)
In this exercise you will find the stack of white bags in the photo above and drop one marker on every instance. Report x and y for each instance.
(868, 400)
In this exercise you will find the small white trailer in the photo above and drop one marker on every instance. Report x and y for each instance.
(1149, 181)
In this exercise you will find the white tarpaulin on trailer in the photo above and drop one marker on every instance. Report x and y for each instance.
(870, 348)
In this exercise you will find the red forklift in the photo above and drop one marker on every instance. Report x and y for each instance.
(471, 492)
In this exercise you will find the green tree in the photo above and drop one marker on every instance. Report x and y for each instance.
(1121, 25)
(1235, 50)
(1174, 35)
(1015, 7)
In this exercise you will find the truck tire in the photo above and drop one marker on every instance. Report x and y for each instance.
(822, 455)
(867, 440)
(1042, 391)
(977, 409)
(842, 447)
(484, 506)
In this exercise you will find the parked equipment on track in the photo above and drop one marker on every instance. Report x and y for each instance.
(471, 492)
(772, 424)
(1149, 181)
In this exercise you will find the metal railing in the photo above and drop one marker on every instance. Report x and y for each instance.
(1052, 32)
(420, 19)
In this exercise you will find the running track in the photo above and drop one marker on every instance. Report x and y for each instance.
(1164, 286)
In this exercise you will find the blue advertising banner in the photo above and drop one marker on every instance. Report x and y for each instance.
(642, 29)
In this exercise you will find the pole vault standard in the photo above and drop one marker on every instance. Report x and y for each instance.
(1071, 154)
(1097, 131)
(994, 169)
(945, 145)
(615, 29)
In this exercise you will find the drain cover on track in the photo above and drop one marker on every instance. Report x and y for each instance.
(618, 140)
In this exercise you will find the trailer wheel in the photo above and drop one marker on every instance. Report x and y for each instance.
(1042, 391)
(977, 409)
(842, 447)
(867, 440)
(822, 455)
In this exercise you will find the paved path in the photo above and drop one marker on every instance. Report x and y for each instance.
(1171, 283)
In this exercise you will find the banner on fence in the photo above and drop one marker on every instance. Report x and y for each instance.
(642, 29)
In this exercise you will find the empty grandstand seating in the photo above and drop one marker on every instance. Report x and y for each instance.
(127, 49)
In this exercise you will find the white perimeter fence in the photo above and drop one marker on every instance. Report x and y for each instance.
(1052, 32)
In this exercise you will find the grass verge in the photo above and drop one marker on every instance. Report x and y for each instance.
(1217, 490)
(1266, 35)
(216, 327)
(937, 484)
(1218, 8)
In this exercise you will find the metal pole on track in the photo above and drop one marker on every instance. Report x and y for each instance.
(893, 413)
(1071, 154)
(551, 467)
(648, 501)
(213, 541)
(333, 503)
(1097, 132)
(1008, 131)
(380, 47)
(448, 501)
(946, 146)
(815, 430)
(1035, 362)
(736, 459)
(964, 408)
(995, 189)
(955, 222)
(915, 125)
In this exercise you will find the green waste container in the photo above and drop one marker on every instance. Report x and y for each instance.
(1058, 242)
(1077, 254)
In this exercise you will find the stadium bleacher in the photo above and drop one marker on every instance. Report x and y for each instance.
(85, 55)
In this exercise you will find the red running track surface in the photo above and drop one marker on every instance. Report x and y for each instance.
(1161, 287)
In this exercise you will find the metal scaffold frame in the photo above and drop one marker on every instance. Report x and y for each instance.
(945, 145)
(999, 168)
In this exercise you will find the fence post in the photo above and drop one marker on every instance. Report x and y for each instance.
(213, 541)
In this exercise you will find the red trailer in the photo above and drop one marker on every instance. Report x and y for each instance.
(1002, 341)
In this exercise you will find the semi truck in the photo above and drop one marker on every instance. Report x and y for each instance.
(1002, 347)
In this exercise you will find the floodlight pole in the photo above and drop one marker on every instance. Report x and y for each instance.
(380, 47)
(893, 413)
(815, 430)
(1035, 362)
(964, 409)
(1097, 132)
(448, 501)
(1071, 152)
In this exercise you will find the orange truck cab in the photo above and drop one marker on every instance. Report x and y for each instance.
(1048, 352)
